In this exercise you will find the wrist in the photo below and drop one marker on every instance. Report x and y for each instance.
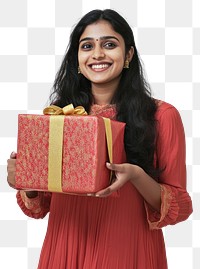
(138, 172)
(31, 194)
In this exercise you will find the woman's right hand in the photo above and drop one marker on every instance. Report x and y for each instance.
(11, 169)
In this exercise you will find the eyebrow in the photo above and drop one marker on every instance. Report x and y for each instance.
(101, 38)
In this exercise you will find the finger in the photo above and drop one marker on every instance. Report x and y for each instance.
(13, 155)
(91, 194)
(11, 169)
(11, 185)
(11, 165)
(115, 167)
(107, 191)
(11, 179)
(104, 192)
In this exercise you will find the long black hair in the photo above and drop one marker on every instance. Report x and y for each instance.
(133, 100)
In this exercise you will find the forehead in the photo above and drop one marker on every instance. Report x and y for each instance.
(100, 28)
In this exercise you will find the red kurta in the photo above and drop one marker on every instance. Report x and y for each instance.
(120, 231)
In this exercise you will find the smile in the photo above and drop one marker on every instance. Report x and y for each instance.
(99, 67)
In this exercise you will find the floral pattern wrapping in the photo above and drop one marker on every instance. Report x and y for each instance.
(84, 153)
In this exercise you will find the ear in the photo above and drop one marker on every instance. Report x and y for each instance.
(130, 54)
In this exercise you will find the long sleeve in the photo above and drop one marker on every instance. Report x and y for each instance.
(176, 204)
(36, 207)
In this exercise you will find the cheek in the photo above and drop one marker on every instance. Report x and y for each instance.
(120, 62)
(82, 60)
(119, 57)
(80, 57)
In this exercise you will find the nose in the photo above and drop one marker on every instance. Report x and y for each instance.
(98, 53)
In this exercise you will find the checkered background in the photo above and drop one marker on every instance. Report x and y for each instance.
(33, 37)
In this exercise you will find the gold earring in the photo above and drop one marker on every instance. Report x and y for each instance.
(79, 70)
(126, 64)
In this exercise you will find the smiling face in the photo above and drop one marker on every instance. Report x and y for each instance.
(101, 54)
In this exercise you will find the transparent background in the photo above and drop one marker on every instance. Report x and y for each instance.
(33, 38)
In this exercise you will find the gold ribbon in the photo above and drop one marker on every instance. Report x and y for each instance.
(55, 153)
(108, 138)
(108, 130)
(67, 110)
(56, 141)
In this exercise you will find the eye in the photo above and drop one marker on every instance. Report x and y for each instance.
(110, 45)
(86, 46)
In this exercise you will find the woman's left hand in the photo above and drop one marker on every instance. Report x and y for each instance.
(123, 173)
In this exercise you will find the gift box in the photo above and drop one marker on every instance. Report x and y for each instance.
(67, 154)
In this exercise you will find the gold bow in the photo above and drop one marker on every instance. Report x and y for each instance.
(67, 110)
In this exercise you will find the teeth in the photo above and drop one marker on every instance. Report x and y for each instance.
(99, 66)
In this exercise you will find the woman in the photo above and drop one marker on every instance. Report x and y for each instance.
(118, 227)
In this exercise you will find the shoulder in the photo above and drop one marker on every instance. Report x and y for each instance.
(165, 110)
(168, 118)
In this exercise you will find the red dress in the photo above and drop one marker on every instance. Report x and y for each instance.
(121, 231)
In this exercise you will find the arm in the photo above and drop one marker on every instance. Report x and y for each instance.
(176, 203)
(146, 186)
(166, 201)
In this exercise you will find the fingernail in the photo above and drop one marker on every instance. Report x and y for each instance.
(13, 154)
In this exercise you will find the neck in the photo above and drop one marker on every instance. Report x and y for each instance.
(103, 94)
